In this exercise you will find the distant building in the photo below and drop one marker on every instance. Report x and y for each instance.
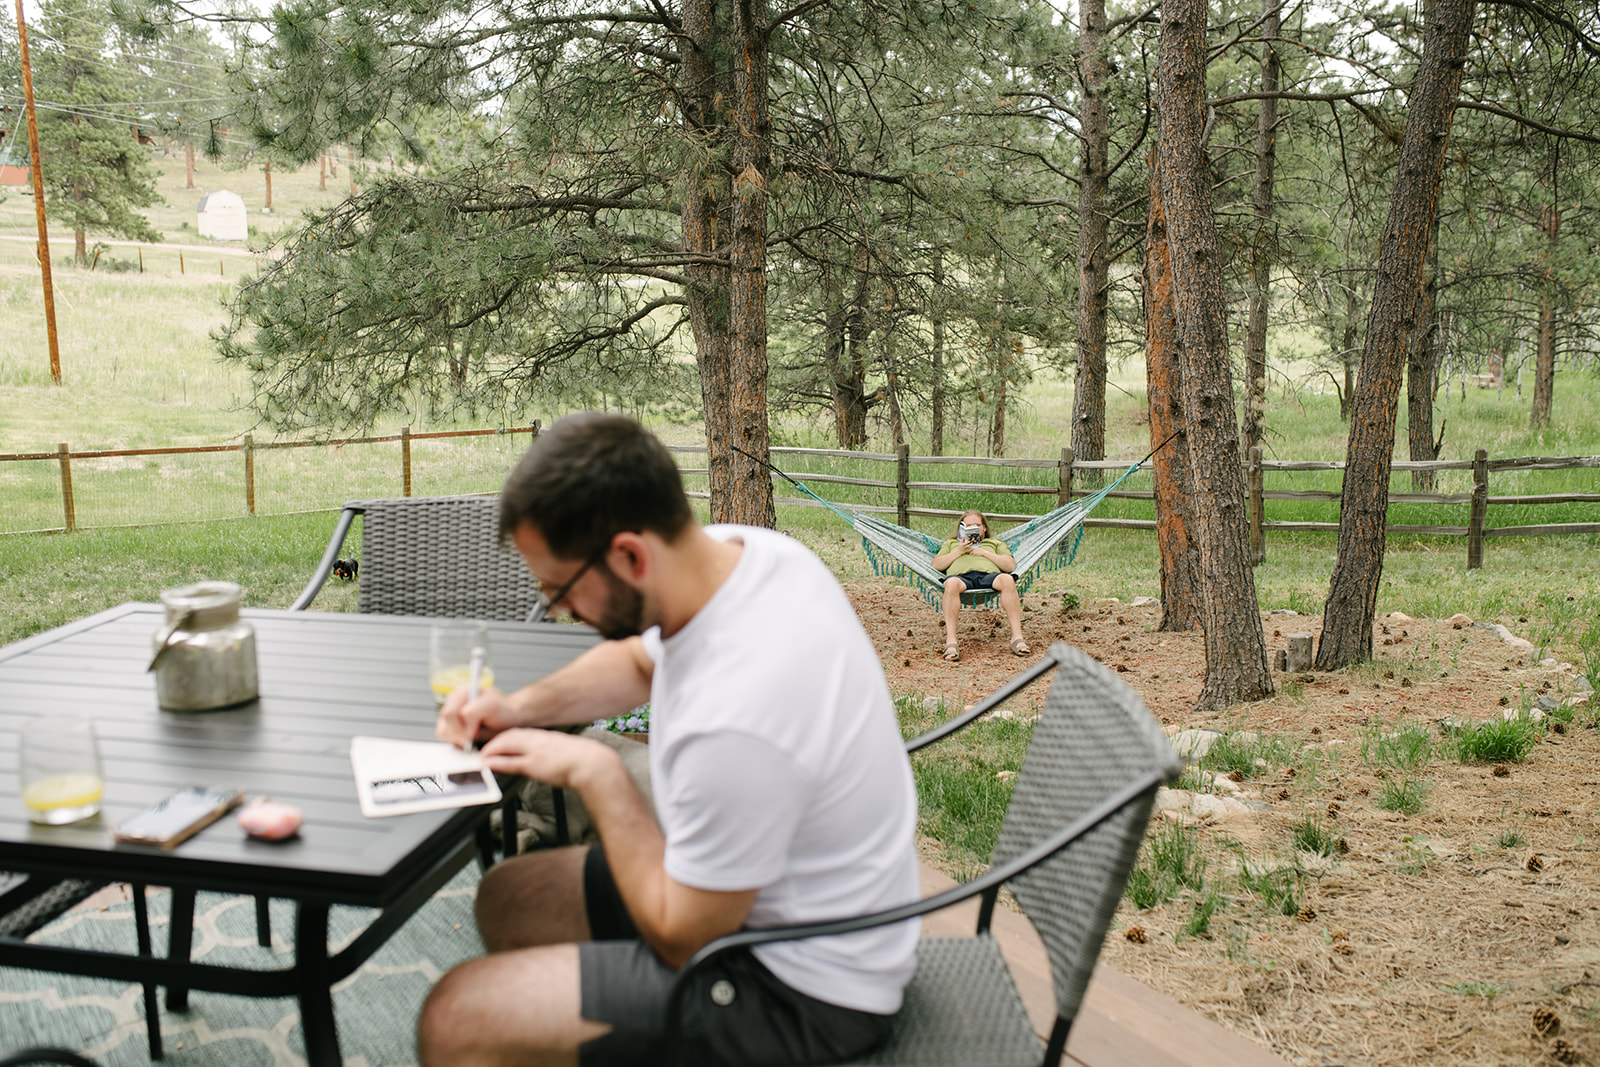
(13, 155)
(223, 217)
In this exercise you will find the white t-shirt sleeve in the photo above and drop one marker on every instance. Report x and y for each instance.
(746, 796)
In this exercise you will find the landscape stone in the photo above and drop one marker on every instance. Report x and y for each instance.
(1458, 620)
(1398, 616)
(1172, 799)
(1283, 611)
(1221, 783)
(1583, 685)
(1145, 602)
(1299, 652)
(1221, 809)
(1194, 744)
(1547, 703)
(1576, 701)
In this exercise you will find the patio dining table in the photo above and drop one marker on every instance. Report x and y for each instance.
(324, 677)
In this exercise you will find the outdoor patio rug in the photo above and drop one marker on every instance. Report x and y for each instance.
(376, 1007)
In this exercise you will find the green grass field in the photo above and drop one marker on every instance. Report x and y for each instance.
(140, 371)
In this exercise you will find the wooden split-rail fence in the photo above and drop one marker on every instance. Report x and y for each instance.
(1062, 487)
(1256, 468)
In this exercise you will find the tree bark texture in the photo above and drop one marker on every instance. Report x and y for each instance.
(1089, 380)
(1352, 358)
(188, 168)
(1264, 245)
(936, 386)
(1236, 653)
(1544, 375)
(724, 91)
(1181, 594)
(1422, 369)
(1391, 325)
(751, 500)
(848, 331)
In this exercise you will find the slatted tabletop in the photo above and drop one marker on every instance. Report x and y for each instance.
(324, 678)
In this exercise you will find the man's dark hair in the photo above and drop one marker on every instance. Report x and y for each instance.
(590, 477)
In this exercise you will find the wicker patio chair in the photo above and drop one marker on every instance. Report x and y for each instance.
(1069, 839)
(438, 555)
(32, 1056)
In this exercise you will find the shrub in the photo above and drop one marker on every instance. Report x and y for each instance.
(1310, 835)
(1496, 741)
(1406, 749)
(1403, 795)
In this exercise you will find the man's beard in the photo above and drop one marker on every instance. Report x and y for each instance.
(624, 611)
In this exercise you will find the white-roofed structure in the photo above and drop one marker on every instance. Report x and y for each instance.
(223, 216)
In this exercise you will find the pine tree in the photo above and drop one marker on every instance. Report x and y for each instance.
(96, 174)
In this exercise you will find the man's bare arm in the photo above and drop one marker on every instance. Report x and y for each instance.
(607, 680)
(674, 919)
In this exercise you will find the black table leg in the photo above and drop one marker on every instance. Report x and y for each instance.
(263, 921)
(180, 938)
(315, 981)
(152, 1011)
(485, 841)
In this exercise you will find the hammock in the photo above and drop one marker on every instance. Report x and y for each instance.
(1039, 546)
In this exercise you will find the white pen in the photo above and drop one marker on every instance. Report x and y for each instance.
(474, 679)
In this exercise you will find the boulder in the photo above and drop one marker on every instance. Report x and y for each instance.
(1194, 744)
(1458, 620)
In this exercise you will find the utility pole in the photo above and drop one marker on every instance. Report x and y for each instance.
(38, 200)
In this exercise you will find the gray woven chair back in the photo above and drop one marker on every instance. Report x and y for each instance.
(440, 556)
(1094, 736)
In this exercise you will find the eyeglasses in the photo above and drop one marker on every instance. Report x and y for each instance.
(546, 601)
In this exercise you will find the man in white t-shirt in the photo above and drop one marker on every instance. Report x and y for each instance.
(782, 789)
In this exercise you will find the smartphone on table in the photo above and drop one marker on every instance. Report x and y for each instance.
(178, 817)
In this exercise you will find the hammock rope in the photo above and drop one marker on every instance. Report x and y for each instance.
(1040, 546)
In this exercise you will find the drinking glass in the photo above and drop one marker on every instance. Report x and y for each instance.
(450, 646)
(60, 764)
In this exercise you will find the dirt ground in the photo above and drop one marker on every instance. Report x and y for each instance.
(1466, 934)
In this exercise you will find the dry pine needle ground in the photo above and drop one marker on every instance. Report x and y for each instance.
(1468, 933)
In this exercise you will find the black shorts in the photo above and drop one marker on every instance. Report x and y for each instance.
(736, 1014)
(978, 581)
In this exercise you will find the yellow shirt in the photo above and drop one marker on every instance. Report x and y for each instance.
(969, 562)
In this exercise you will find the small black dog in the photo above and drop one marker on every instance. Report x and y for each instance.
(345, 569)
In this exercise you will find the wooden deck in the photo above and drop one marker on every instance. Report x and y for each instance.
(1122, 1022)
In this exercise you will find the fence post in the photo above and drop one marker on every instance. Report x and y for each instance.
(902, 481)
(64, 451)
(405, 461)
(250, 472)
(1480, 509)
(1258, 534)
(1064, 479)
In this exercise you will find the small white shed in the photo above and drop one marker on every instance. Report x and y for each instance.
(222, 216)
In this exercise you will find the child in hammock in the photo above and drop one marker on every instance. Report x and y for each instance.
(973, 561)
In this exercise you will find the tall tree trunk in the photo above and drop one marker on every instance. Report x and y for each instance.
(848, 371)
(936, 387)
(1353, 590)
(188, 166)
(1236, 651)
(322, 178)
(1352, 358)
(1181, 594)
(266, 172)
(751, 500)
(1264, 246)
(997, 425)
(707, 219)
(1423, 366)
(1089, 380)
(1544, 375)
(897, 425)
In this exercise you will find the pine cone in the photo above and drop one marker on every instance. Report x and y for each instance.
(1546, 1022)
(1564, 1052)
(1135, 934)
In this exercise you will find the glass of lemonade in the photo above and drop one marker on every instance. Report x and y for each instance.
(60, 764)
(450, 646)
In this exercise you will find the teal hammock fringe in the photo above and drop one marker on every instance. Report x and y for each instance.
(1040, 546)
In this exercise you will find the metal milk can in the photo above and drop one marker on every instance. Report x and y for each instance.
(205, 655)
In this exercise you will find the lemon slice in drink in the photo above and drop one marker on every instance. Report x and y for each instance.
(63, 791)
(448, 679)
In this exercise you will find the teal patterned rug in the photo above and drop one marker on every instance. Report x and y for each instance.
(376, 1007)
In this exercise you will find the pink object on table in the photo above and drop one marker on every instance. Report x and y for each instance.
(270, 820)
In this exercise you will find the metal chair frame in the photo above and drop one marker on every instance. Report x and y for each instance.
(1017, 858)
